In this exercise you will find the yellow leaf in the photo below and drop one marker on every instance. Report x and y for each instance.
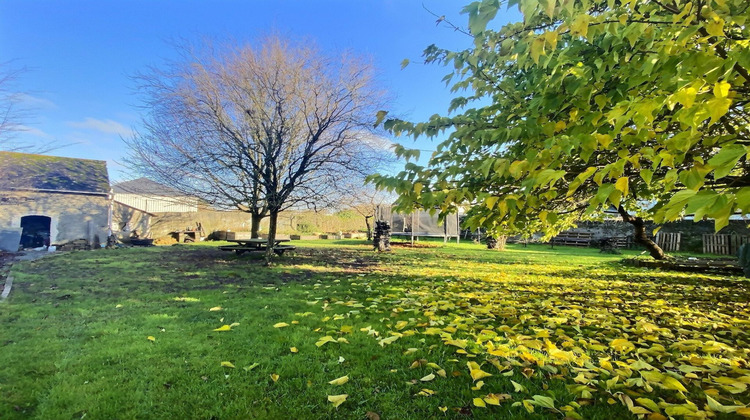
(389, 340)
(537, 49)
(400, 325)
(337, 400)
(479, 402)
(672, 383)
(492, 400)
(496, 399)
(280, 325)
(648, 403)
(151, 338)
(215, 308)
(340, 381)
(426, 392)
(715, 26)
(478, 386)
(323, 340)
(604, 139)
(293, 349)
(227, 365)
(458, 343)
(580, 26)
(428, 378)
(528, 406)
(721, 89)
(347, 329)
(622, 344)
(443, 409)
(622, 185)
(744, 412)
(274, 377)
(118, 306)
(479, 374)
(224, 328)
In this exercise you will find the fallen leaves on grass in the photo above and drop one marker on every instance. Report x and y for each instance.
(227, 365)
(660, 346)
(224, 327)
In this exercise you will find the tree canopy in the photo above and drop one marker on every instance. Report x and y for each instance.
(587, 106)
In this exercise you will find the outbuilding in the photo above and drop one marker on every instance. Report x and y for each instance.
(50, 200)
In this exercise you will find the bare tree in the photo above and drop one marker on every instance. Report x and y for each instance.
(11, 114)
(365, 199)
(261, 129)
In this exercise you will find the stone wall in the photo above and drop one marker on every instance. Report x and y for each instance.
(289, 222)
(692, 232)
(73, 216)
(126, 220)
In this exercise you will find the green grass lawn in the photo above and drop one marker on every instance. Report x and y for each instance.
(430, 332)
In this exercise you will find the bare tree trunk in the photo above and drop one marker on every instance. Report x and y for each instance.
(640, 234)
(255, 225)
(272, 218)
(369, 229)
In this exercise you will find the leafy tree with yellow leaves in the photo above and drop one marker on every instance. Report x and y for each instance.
(639, 106)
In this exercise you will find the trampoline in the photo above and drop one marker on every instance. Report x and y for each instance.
(419, 223)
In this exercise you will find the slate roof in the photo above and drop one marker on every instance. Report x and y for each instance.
(147, 187)
(24, 171)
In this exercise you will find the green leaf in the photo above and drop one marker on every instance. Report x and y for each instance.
(480, 14)
(404, 63)
(543, 401)
(724, 161)
(379, 117)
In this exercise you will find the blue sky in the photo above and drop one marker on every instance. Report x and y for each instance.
(80, 55)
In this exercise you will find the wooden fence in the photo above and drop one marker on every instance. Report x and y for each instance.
(723, 244)
(668, 242)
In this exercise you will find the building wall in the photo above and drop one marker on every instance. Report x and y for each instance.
(153, 204)
(73, 216)
(126, 219)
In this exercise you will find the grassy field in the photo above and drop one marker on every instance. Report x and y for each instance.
(431, 332)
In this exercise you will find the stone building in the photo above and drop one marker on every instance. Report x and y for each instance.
(52, 200)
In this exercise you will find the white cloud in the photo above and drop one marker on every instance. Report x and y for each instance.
(35, 102)
(377, 142)
(104, 126)
(33, 131)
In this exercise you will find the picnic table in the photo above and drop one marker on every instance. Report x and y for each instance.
(256, 245)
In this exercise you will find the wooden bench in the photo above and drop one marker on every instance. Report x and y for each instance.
(573, 239)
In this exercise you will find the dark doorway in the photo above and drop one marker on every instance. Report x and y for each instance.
(36, 231)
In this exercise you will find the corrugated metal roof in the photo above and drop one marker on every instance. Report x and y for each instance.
(24, 171)
(145, 186)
